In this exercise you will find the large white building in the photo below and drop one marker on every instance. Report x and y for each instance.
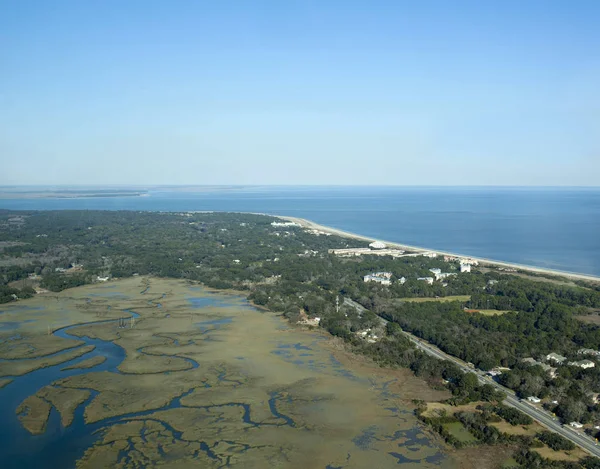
(384, 278)
(465, 267)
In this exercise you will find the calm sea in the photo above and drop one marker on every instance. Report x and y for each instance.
(545, 227)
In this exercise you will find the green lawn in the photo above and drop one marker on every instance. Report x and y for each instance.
(442, 299)
(492, 312)
(458, 431)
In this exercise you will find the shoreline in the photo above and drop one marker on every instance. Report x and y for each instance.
(482, 261)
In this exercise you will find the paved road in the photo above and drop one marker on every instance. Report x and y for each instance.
(543, 417)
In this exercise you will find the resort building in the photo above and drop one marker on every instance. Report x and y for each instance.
(350, 252)
(429, 254)
(384, 278)
(284, 223)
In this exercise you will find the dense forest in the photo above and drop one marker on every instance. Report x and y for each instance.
(497, 318)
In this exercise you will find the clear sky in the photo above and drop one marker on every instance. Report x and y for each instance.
(300, 92)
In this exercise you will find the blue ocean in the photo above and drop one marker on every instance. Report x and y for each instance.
(555, 228)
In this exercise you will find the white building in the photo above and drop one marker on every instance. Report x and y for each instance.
(402, 280)
(429, 254)
(576, 425)
(535, 400)
(377, 245)
(429, 280)
(588, 351)
(465, 267)
(349, 252)
(583, 364)
(555, 357)
(435, 272)
(102, 279)
(284, 223)
(384, 278)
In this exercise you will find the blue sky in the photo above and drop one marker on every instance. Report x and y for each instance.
(300, 92)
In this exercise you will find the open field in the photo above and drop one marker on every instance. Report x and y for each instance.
(458, 431)
(528, 430)
(488, 312)
(590, 319)
(436, 409)
(441, 299)
(549, 453)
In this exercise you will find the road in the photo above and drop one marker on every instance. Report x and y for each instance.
(541, 416)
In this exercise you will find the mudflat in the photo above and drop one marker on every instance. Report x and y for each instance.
(202, 378)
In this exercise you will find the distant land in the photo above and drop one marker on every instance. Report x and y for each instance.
(76, 192)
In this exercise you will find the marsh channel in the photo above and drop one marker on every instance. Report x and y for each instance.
(147, 372)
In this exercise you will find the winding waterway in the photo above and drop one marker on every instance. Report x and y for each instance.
(323, 397)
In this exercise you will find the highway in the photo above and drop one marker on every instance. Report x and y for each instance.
(540, 415)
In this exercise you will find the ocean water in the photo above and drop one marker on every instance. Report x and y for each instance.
(556, 228)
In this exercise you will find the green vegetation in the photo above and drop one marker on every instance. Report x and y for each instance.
(459, 432)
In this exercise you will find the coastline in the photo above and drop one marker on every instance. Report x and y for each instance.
(482, 261)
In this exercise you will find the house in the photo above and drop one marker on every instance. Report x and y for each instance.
(402, 280)
(583, 364)
(444, 275)
(429, 254)
(534, 400)
(310, 321)
(555, 357)
(377, 245)
(588, 351)
(435, 272)
(530, 361)
(102, 279)
(576, 425)
(429, 280)
(236, 261)
(465, 267)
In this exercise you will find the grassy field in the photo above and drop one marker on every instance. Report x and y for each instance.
(458, 431)
(435, 409)
(489, 312)
(442, 299)
(528, 430)
(590, 319)
(549, 453)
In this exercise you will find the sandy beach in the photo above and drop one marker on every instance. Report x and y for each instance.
(482, 261)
